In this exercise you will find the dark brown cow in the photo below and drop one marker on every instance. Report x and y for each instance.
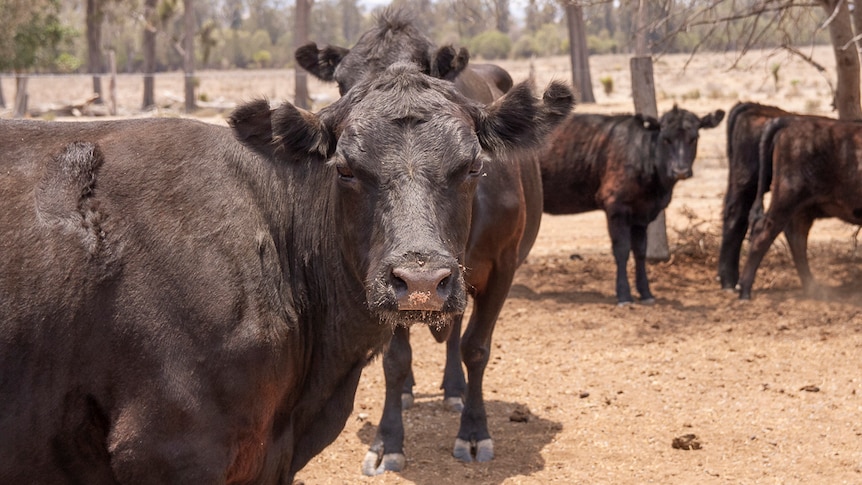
(505, 222)
(177, 306)
(627, 166)
(745, 125)
(816, 172)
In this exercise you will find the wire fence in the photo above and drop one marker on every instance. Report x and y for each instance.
(215, 91)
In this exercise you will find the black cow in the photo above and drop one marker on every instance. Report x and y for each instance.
(625, 165)
(504, 226)
(745, 125)
(816, 172)
(186, 303)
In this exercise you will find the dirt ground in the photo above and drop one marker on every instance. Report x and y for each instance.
(771, 388)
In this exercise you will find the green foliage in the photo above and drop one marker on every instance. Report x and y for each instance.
(491, 44)
(262, 58)
(67, 63)
(31, 34)
(607, 84)
(601, 43)
(525, 46)
(549, 39)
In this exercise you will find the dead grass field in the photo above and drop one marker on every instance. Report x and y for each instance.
(772, 388)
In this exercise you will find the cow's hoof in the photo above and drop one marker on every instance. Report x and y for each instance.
(466, 452)
(647, 301)
(374, 464)
(463, 450)
(621, 304)
(454, 404)
(485, 450)
(406, 401)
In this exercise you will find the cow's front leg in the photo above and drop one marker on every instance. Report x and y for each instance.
(620, 232)
(454, 384)
(387, 451)
(474, 440)
(639, 248)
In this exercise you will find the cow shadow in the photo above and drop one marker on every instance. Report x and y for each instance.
(430, 430)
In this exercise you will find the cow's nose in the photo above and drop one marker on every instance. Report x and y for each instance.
(421, 288)
(683, 174)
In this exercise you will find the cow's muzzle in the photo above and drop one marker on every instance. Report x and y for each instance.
(682, 174)
(420, 288)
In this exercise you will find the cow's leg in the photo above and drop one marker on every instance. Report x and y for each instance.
(387, 451)
(737, 205)
(763, 233)
(454, 385)
(639, 248)
(473, 433)
(797, 237)
(407, 392)
(620, 233)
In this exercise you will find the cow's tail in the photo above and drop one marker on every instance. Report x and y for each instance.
(764, 179)
(737, 109)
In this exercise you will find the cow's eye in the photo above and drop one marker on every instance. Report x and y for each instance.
(344, 172)
(476, 166)
(668, 141)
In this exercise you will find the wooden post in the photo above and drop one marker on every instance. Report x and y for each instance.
(20, 95)
(189, 62)
(112, 84)
(643, 94)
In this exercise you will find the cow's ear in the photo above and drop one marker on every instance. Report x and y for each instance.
(252, 126)
(299, 132)
(648, 122)
(286, 131)
(712, 120)
(447, 64)
(519, 120)
(320, 63)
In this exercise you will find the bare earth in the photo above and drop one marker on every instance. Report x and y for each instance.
(771, 388)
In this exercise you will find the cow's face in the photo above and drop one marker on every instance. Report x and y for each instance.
(404, 154)
(677, 140)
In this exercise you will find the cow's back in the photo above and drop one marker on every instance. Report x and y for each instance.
(124, 270)
(576, 162)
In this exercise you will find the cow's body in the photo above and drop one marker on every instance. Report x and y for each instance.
(626, 166)
(177, 306)
(504, 226)
(745, 125)
(816, 172)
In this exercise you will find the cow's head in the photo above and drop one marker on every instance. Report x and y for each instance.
(403, 154)
(677, 139)
(394, 39)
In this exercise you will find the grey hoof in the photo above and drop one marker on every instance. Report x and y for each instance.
(406, 401)
(464, 450)
(455, 404)
(622, 304)
(648, 301)
(373, 464)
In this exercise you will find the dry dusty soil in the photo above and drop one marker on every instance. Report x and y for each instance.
(771, 388)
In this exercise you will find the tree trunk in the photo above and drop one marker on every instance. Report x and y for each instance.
(20, 95)
(95, 60)
(189, 60)
(149, 47)
(579, 53)
(501, 8)
(303, 21)
(643, 93)
(847, 97)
